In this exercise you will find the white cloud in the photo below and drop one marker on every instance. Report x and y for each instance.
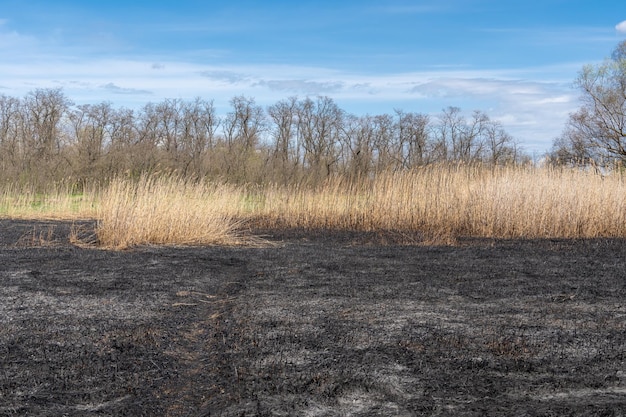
(303, 86)
(116, 89)
(230, 77)
(621, 27)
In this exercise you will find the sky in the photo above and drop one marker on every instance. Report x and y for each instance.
(515, 60)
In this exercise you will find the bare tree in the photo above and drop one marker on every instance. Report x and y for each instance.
(413, 137)
(43, 110)
(169, 115)
(242, 129)
(319, 127)
(198, 126)
(474, 139)
(358, 145)
(90, 129)
(10, 145)
(599, 126)
(41, 135)
(500, 147)
(244, 124)
(285, 152)
(573, 146)
(450, 134)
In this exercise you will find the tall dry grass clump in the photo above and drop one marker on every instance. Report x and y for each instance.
(459, 200)
(167, 211)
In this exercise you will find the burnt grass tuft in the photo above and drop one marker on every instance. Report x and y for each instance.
(316, 324)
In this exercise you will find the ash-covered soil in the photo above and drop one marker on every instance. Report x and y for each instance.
(315, 324)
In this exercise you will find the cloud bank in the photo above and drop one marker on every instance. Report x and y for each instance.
(621, 27)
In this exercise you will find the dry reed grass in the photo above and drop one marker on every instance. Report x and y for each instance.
(166, 211)
(453, 201)
(440, 202)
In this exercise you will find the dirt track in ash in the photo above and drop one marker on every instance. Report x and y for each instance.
(317, 324)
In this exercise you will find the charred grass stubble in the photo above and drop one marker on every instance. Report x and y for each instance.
(440, 202)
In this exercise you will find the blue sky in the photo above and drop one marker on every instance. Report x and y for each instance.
(515, 60)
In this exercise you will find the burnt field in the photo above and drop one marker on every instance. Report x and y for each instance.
(313, 324)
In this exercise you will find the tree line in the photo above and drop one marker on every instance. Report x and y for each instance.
(45, 137)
